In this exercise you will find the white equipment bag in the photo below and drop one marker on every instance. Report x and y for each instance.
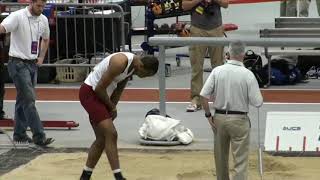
(159, 128)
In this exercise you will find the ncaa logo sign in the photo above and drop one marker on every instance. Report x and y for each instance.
(293, 128)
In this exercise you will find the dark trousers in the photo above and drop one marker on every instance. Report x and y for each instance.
(24, 76)
(2, 80)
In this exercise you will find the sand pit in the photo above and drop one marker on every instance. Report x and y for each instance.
(155, 165)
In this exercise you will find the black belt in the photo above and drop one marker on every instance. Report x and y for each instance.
(229, 112)
(23, 60)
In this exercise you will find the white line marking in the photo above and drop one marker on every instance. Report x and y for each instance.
(77, 87)
(157, 102)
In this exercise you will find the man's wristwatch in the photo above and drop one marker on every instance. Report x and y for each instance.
(207, 115)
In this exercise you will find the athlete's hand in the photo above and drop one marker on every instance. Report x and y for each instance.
(114, 113)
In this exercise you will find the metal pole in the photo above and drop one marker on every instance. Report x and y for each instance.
(268, 56)
(75, 31)
(94, 35)
(113, 37)
(263, 42)
(103, 34)
(66, 33)
(122, 27)
(162, 80)
(63, 65)
(260, 149)
(85, 34)
(57, 32)
(122, 41)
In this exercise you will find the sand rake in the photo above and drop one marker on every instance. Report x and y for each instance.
(260, 159)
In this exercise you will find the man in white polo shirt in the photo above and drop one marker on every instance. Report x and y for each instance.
(233, 88)
(3, 115)
(26, 53)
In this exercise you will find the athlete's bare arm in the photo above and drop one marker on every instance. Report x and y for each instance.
(2, 29)
(117, 65)
(118, 91)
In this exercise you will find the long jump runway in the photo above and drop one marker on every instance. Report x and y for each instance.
(131, 116)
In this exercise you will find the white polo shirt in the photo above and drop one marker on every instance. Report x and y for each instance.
(233, 87)
(24, 29)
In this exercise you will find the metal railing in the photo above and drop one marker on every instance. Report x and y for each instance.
(290, 33)
(297, 22)
(81, 28)
(163, 42)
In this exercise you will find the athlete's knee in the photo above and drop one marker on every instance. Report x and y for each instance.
(100, 141)
(108, 129)
(111, 133)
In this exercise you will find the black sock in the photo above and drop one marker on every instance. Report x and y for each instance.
(119, 176)
(85, 175)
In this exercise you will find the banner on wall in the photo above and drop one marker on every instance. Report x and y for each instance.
(292, 131)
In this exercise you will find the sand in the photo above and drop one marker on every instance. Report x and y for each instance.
(155, 165)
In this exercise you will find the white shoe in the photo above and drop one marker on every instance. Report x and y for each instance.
(5, 116)
(193, 108)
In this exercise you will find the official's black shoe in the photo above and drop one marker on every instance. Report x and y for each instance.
(85, 175)
(44, 142)
(5, 116)
(119, 176)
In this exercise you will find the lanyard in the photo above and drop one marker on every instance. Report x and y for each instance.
(31, 30)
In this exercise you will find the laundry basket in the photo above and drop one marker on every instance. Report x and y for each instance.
(72, 74)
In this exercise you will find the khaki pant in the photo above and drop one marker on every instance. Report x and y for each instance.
(289, 8)
(318, 6)
(197, 54)
(304, 7)
(231, 130)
